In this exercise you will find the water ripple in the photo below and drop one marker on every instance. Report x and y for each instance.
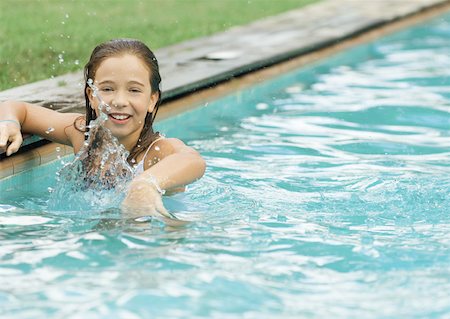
(326, 195)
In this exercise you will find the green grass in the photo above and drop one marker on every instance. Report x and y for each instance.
(44, 38)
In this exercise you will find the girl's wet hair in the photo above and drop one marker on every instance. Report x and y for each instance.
(118, 47)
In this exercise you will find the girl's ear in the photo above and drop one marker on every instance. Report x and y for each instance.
(90, 95)
(153, 100)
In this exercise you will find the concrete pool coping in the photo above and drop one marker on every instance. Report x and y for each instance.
(242, 54)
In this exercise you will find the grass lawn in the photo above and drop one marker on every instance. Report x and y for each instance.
(44, 38)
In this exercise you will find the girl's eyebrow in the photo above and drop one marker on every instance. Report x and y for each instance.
(105, 82)
(136, 82)
(129, 82)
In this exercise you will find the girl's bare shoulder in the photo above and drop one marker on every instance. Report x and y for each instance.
(164, 147)
(171, 145)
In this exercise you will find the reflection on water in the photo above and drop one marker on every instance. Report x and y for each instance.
(326, 195)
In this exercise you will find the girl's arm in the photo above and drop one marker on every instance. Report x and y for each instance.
(173, 165)
(17, 117)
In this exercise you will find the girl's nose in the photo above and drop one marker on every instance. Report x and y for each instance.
(119, 100)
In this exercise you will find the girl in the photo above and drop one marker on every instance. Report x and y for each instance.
(126, 75)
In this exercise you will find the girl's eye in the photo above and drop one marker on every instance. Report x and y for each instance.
(135, 90)
(106, 89)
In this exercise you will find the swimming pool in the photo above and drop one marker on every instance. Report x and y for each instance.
(326, 195)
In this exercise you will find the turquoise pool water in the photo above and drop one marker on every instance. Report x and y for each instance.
(326, 196)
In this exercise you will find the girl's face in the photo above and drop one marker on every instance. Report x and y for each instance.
(123, 83)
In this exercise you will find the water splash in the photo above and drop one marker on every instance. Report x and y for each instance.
(99, 174)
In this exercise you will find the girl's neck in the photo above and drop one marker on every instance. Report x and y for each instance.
(128, 143)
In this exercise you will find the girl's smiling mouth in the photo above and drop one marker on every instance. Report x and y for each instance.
(119, 118)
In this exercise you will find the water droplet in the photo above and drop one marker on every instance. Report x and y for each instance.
(76, 62)
(262, 106)
(143, 219)
(50, 190)
(49, 130)
(58, 149)
(138, 145)
(294, 89)
(224, 129)
(157, 148)
(67, 16)
(133, 161)
(60, 58)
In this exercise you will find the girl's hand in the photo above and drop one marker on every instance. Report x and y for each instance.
(10, 136)
(144, 200)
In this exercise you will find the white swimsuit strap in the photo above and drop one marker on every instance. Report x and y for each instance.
(149, 147)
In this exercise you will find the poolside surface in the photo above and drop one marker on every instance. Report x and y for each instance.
(204, 62)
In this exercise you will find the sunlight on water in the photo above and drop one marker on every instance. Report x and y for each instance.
(326, 196)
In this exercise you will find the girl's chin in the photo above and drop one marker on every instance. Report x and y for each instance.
(121, 132)
(117, 131)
